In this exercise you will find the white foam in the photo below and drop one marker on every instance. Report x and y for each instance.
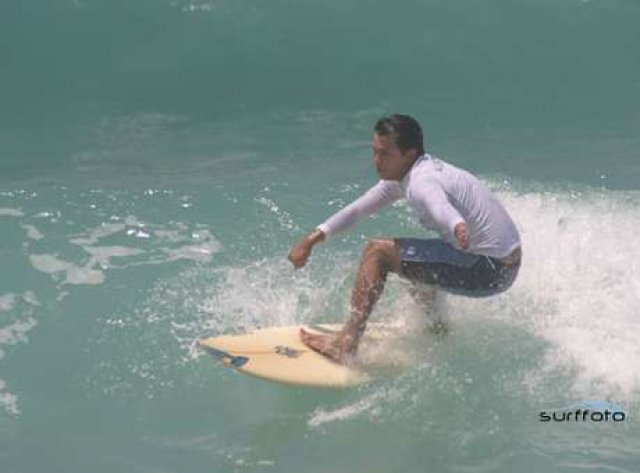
(206, 245)
(53, 216)
(267, 293)
(7, 302)
(576, 297)
(321, 416)
(50, 264)
(84, 275)
(578, 288)
(8, 400)
(104, 230)
(30, 298)
(201, 249)
(138, 233)
(200, 253)
(101, 255)
(370, 405)
(15, 332)
(5, 212)
(33, 232)
(214, 300)
(197, 7)
(132, 220)
(284, 219)
(174, 236)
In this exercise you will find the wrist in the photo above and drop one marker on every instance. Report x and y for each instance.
(314, 237)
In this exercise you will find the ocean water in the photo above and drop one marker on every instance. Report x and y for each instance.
(159, 158)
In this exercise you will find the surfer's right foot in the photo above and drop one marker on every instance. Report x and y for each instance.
(327, 345)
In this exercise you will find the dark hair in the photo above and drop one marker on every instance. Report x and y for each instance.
(405, 130)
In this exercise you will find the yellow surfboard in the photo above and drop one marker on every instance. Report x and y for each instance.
(277, 354)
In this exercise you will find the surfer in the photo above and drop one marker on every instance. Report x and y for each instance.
(477, 255)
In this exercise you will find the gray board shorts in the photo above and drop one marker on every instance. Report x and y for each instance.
(435, 262)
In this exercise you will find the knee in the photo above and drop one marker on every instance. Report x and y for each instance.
(380, 250)
(377, 246)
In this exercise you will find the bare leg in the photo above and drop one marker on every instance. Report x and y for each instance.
(379, 257)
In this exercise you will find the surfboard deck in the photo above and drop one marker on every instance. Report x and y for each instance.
(277, 354)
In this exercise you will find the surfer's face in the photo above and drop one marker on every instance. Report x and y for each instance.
(390, 162)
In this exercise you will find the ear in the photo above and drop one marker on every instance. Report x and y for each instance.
(412, 154)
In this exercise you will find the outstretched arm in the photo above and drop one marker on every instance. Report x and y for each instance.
(383, 193)
(380, 195)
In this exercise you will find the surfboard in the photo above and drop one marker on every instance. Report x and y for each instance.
(277, 354)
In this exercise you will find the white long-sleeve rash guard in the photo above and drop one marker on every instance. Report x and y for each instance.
(441, 196)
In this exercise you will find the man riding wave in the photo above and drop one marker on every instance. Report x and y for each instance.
(478, 254)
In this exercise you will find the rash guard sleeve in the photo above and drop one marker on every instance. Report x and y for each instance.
(380, 195)
(439, 211)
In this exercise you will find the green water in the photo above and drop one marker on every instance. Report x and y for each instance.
(159, 158)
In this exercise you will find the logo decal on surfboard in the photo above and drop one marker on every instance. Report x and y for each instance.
(287, 351)
(225, 358)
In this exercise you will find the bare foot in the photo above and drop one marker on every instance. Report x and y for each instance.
(325, 344)
(439, 327)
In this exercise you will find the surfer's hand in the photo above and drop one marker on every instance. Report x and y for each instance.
(300, 253)
(462, 235)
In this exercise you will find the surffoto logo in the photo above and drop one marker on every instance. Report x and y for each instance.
(586, 411)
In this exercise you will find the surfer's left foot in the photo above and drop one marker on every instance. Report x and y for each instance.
(327, 345)
(439, 327)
